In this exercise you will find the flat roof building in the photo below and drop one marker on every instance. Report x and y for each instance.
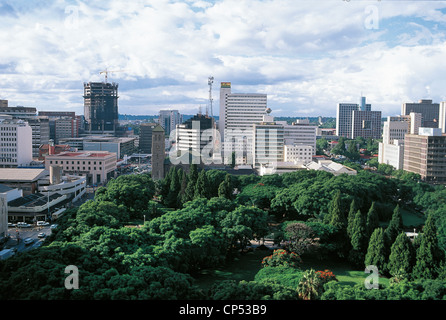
(97, 166)
(424, 154)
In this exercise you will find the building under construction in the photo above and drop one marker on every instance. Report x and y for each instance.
(101, 107)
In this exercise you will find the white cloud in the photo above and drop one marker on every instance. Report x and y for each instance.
(306, 55)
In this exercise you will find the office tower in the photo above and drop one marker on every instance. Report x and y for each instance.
(169, 119)
(358, 120)
(424, 154)
(300, 132)
(366, 124)
(158, 152)
(63, 124)
(145, 137)
(194, 135)
(391, 149)
(40, 127)
(442, 117)
(101, 107)
(238, 113)
(15, 143)
(429, 112)
(3, 103)
(268, 142)
(344, 119)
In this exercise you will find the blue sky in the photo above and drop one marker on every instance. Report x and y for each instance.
(307, 55)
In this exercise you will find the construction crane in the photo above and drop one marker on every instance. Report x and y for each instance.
(109, 71)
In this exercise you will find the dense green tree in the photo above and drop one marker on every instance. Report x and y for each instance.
(225, 188)
(358, 240)
(376, 252)
(202, 186)
(351, 217)
(401, 259)
(372, 220)
(429, 256)
(192, 178)
(336, 216)
(395, 226)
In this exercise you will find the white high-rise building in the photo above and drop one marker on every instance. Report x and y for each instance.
(442, 117)
(267, 143)
(391, 150)
(16, 147)
(238, 113)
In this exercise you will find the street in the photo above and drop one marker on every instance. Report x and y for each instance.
(24, 233)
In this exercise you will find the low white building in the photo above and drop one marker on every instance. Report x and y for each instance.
(330, 166)
(298, 152)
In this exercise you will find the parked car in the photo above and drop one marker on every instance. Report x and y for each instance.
(43, 223)
(28, 241)
(41, 235)
(11, 225)
(53, 226)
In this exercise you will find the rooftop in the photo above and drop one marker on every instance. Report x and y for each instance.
(95, 154)
(21, 174)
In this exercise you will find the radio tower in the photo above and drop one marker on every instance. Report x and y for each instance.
(210, 82)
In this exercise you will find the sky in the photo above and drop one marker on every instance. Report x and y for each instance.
(306, 55)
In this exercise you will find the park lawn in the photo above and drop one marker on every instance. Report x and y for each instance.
(344, 272)
(247, 266)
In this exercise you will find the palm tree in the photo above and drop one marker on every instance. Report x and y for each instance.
(309, 286)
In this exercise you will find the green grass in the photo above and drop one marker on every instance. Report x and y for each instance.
(247, 266)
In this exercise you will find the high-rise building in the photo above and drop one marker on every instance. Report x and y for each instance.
(424, 154)
(429, 112)
(158, 152)
(169, 119)
(238, 113)
(40, 133)
(63, 124)
(3, 103)
(300, 132)
(442, 117)
(268, 142)
(391, 149)
(366, 124)
(15, 143)
(101, 107)
(344, 114)
(193, 136)
(358, 120)
(145, 137)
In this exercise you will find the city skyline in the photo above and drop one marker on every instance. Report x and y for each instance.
(307, 56)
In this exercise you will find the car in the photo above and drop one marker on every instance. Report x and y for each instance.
(53, 226)
(11, 225)
(41, 235)
(43, 223)
(28, 241)
(23, 225)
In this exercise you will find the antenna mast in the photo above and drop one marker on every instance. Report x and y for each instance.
(210, 82)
